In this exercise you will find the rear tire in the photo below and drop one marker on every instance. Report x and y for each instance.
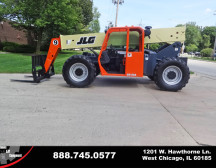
(78, 71)
(171, 74)
(151, 78)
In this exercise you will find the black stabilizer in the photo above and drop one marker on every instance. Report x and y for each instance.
(38, 70)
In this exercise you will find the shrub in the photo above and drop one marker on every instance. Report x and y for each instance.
(5, 43)
(14, 47)
(191, 48)
(9, 48)
(207, 52)
(1, 46)
(154, 47)
(24, 49)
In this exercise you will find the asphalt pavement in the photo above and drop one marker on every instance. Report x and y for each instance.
(112, 111)
(206, 68)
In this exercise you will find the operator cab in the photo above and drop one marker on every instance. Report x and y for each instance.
(122, 53)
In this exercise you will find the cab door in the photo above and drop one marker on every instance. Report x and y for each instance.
(135, 53)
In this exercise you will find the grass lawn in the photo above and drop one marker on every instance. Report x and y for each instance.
(21, 63)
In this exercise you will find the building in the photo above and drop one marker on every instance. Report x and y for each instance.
(10, 34)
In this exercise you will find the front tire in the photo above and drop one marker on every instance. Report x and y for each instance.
(97, 72)
(171, 74)
(78, 71)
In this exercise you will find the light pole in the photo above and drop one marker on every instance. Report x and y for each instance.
(117, 2)
(215, 38)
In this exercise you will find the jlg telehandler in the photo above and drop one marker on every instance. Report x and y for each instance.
(122, 54)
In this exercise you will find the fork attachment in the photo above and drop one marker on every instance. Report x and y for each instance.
(42, 65)
(38, 69)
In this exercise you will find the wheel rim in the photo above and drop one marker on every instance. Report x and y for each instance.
(172, 75)
(78, 72)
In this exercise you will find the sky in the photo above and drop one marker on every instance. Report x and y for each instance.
(157, 13)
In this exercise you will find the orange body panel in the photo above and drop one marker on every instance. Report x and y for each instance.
(55, 47)
(134, 62)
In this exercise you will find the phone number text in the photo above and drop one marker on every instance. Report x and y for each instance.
(84, 155)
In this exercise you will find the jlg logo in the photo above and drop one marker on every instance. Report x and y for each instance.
(86, 40)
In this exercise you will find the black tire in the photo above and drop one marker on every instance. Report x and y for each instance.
(78, 71)
(171, 74)
(151, 78)
(97, 72)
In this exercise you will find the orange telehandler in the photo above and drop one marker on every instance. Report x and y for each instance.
(122, 54)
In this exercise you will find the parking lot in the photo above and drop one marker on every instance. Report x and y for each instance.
(112, 111)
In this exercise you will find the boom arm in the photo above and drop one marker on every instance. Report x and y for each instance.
(55, 47)
(168, 35)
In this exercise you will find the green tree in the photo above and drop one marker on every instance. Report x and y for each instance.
(211, 32)
(94, 25)
(87, 12)
(180, 25)
(193, 34)
(64, 16)
(85, 16)
(191, 48)
(207, 52)
(109, 26)
(1, 13)
(205, 41)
